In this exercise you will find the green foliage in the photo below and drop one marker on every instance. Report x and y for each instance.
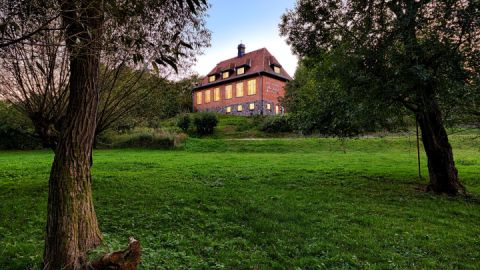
(276, 124)
(371, 63)
(234, 126)
(264, 204)
(165, 99)
(16, 130)
(124, 125)
(146, 140)
(319, 101)
(463, 108)
(183, 122)
(205, 123)
(151, 138)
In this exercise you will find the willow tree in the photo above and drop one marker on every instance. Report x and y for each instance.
(150, 31)
(34, 80)
(411, 53)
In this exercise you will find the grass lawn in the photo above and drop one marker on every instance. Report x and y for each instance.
(259, 204)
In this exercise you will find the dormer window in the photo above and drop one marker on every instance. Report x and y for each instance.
(276, 69)
(240, 70)
(226, 74)
(211, 78)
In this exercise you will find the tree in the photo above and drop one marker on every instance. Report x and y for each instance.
(163, 31)
(168, 98)
(405, 53)
(34, 80)
(12, 32)
(320, 104)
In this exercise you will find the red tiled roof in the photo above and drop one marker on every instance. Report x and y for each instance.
(256, 61)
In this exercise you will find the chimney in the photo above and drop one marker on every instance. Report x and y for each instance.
(241, 50)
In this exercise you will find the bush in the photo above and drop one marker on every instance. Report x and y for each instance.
(276, 124)
(16, 130)
(183, 122)
(147, 140)
(205, 123)
(124, 125)
(143, 138)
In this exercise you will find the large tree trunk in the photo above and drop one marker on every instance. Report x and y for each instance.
(441, 165)
(72, 227)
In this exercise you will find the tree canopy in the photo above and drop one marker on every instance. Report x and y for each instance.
(398, 47)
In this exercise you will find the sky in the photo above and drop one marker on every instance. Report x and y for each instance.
(253, 22)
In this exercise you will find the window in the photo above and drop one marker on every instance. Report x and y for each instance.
(228, 109)
(240, 70)
(226, 74)
(277, 109)
(199, 98)
(251, 106)
(240, 108)
(239, 92)
(269, 106)
(211, 78)
(207, 96)
(252, 87)
(276, 69)
(228, 92)
(216, 94)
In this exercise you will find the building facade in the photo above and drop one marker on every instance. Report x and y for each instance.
(248, 84)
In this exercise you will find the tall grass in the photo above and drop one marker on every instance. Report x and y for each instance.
(154, 138)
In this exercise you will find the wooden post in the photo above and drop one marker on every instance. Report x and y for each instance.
(418, 150)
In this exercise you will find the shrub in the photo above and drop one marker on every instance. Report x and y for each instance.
(154, 122)
(146, 140)
(183, 122)
(16, 130)
(13, 138)
(205, 123)
(276, 124)
(124, 125)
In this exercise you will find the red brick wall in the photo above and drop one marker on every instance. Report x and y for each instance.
(272, 90)
(227, 102)
(268, 88)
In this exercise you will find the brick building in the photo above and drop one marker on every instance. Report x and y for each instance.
(250, 83)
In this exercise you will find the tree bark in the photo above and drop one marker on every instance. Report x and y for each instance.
(441, 165)
(72, 227)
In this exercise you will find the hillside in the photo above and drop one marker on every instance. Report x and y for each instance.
(235, 127)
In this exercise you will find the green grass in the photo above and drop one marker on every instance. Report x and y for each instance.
(259, 204)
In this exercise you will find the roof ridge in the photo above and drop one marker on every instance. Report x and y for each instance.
(229, 59)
